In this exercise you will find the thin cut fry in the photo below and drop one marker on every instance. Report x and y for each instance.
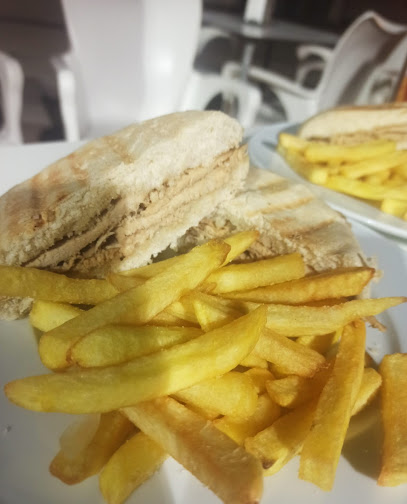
(226, 468)
(329, 153)
(46, 315)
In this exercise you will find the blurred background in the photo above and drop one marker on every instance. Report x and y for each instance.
(260, 60)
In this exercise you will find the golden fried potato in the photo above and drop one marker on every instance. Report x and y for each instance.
(96, 390)
(19, 281)
(331, 153)
(342, 282)
(323, 444)
(138, 305)
(393, 369)
(46, 315)
(236, 277)
(232, 394)
(215, 459)
(114, 344)
(129, 467)
(266, 412)
(84, 453)
(289, 356)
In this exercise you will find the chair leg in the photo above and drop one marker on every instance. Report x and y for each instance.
(12, 86)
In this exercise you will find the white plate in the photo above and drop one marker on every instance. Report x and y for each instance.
(262, 153)
(29, 440)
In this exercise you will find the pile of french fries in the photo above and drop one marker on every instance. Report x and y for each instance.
(375, 172)
(231, 369)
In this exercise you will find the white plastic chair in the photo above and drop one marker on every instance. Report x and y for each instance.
(364, 45)
(381, 84)
(131, 60)
(12, 84)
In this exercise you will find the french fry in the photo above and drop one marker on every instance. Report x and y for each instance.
(254, 361)
(129, 467)
(330, 153)
(218, 462)
(138, 305)
(377, 164)
(315, 173)
(337, 283)
(394, 207)
(292, 142)
(276, 445)
(238, 243)
(210, 313)
(313, 320)
(266, 412)
(321, 343)
(115, 344)
(365, 190)
(46, 315)
(81, 457)
(289, 356)
(323, 444)
(232, 394)
(393, 369)
(292, 391)
(182, 309)
(293, 320)
(259, 377)
(19, 281)
(95, 390)
(369, 387)
(237, 277)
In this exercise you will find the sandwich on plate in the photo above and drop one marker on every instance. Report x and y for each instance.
(358, 124)
(290, 218)
(121, 199)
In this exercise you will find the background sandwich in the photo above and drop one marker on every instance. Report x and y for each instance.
(358, 124)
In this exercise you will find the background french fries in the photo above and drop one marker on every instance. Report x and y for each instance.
(374, 171)
(232, 383)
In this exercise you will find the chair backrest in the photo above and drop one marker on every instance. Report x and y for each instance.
(363, 46)
(132, 58)
(382, 82)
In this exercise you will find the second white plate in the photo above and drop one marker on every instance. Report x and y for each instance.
(262, 153)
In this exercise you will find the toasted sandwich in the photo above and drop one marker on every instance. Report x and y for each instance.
(290, 218)
(120, 200)
(358, 124)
